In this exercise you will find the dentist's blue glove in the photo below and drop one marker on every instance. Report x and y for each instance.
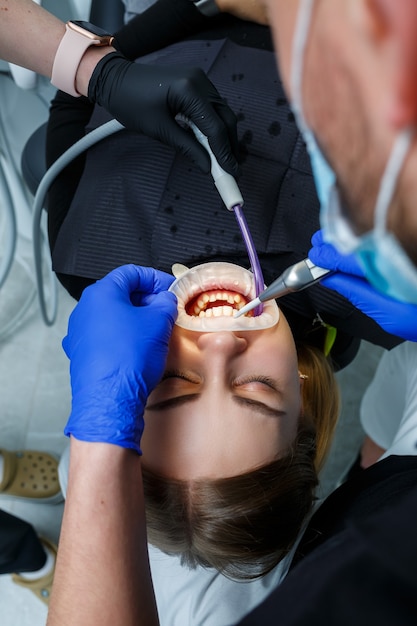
(397, 318)
(117, 342)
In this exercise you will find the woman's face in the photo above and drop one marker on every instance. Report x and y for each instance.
(228, 402)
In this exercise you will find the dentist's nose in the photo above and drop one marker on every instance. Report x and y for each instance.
(225, 342)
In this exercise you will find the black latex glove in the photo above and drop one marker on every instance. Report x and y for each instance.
(146, 98)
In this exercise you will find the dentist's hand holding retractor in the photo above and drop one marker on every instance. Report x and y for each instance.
(117, 342)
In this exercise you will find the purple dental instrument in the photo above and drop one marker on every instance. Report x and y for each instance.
(230, 194)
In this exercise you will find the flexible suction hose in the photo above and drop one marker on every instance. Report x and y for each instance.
(11, 228)
(80, 146)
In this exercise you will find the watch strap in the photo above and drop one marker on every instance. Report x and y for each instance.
(67, 59)
(207, 7)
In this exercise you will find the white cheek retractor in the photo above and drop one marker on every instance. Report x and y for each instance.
(210, 293)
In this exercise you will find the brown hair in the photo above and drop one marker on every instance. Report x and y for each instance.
(244, 525)
(321, 398)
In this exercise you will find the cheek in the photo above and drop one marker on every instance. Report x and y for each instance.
(276, 350)
(282, 16)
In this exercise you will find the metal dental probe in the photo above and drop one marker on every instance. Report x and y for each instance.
(295, 278)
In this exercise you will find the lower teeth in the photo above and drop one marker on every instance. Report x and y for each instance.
(217, 311)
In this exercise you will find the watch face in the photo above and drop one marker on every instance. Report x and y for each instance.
(91, 28)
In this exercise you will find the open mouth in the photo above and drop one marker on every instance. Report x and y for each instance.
(209, 294)
(216, 303)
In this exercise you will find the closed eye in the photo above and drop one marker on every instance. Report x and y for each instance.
(263, 380)
(187, 376)
(259, 407)
(259, 392)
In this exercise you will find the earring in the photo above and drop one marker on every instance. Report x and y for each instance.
(302, 376)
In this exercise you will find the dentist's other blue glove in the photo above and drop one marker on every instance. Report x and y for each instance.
(397, 318)
(117, 342)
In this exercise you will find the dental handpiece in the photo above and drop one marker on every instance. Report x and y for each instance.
(225, 183)
(295, 278)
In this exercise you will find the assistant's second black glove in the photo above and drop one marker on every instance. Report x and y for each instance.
(146, 98)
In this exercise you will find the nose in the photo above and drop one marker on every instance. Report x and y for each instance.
(225, 342)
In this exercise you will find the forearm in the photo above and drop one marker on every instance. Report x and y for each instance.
(102, 573)
(30, 36)
(249, 10)
(25, 22)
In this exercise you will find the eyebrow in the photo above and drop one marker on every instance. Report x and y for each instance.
(259, 407)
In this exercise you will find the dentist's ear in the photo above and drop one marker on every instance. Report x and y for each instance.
(392, 25)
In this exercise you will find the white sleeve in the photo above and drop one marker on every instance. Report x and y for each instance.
(204, 597)
(200, 597)
(389, 406)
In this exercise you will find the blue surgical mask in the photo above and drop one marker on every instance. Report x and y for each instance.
(385, 264)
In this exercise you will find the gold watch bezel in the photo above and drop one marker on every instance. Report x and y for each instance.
(103, 40)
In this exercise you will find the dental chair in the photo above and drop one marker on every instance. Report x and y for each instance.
(108, 14)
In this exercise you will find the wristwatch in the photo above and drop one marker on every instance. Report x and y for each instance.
(78, 37)
(206, 7)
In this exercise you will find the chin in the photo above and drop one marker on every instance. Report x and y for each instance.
(209, 294)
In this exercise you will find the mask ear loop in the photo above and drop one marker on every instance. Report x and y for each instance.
(302, 28)
(390, 179)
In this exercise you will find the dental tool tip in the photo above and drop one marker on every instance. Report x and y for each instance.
(248, 307)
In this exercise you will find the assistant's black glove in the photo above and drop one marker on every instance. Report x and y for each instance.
(146, 98)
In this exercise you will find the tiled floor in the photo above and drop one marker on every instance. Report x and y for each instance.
(34, 383)
(34, 401)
